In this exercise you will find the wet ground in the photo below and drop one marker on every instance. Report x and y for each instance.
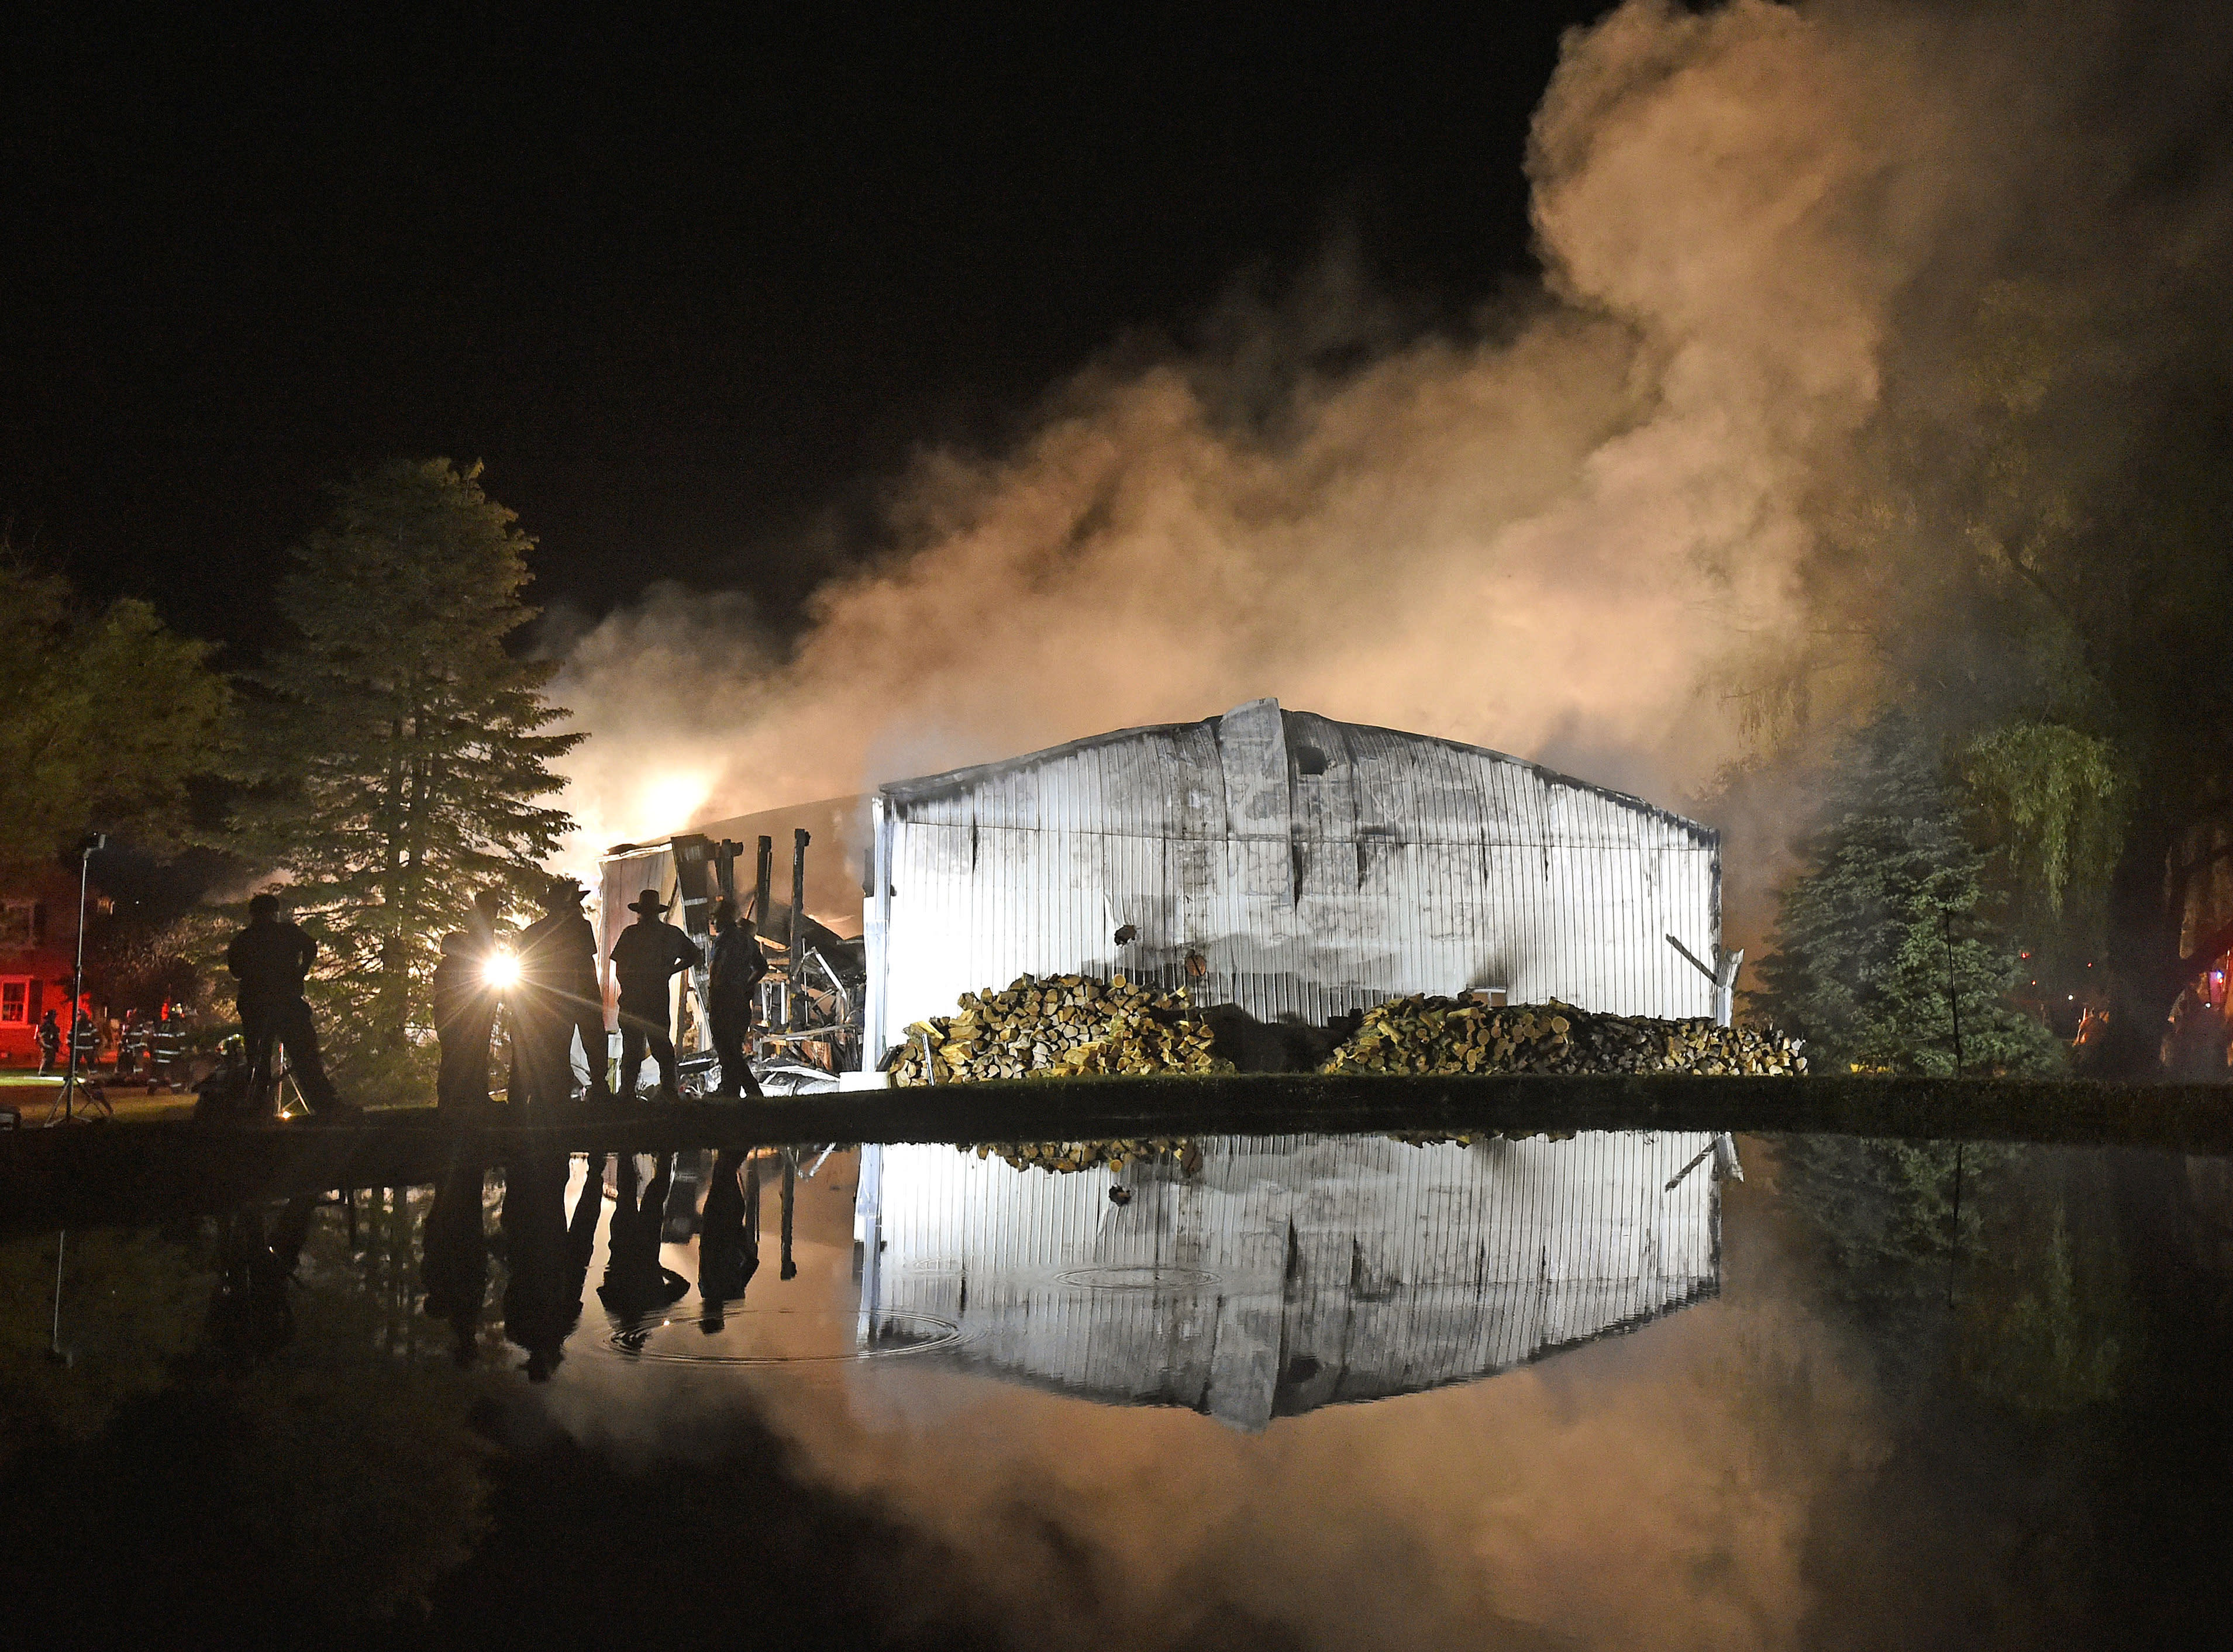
(1314, 1389)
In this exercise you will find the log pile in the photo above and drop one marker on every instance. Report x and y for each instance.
(1059, 1026)
(1070, 1156)
(1431, 1034)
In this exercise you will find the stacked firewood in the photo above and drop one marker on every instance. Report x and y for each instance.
(1059, 1026)
(1070, 1156)
(1425, 1034)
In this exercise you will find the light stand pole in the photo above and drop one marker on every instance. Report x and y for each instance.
(94, 843)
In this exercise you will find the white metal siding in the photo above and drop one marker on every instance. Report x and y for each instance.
(1410, 864)
(1295, 1272)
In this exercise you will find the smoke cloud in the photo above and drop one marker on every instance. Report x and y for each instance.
(1564, 532)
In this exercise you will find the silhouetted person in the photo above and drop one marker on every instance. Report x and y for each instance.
(270, 959)
(50, 1043)
(635, 1281)
(223, 1094)
(557, 999)
(728, 1236)
(734, 973)
(465, 1004)
(453, 1257)
(646, 956)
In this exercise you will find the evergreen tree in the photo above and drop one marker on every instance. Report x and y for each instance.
(1889, 948)
(403, 755)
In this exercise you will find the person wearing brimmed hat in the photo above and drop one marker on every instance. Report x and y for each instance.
(557, 999)
(645, 958)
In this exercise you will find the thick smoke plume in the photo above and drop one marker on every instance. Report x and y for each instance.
(1568, 533)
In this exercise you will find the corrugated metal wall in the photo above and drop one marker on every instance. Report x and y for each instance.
(1296, 1272)
(1316, 866)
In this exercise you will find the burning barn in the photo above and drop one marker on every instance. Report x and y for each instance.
(1294, 868)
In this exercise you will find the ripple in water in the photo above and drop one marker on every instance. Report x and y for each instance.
(1141, 1276)
(777, 1337)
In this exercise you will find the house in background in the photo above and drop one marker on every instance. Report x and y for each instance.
(38, 945)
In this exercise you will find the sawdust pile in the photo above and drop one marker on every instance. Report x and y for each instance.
(1059, 1026)
(1425, 1034)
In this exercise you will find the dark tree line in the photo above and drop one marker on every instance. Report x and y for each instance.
(2029, 579)
(386, 756)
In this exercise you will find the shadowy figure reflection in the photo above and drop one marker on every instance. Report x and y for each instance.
(453, 1259)
(548, 1254)
(635, 1282)
(249, 1314)
(790, 1269)
(729, 1237)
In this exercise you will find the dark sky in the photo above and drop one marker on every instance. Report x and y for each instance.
(685, 290)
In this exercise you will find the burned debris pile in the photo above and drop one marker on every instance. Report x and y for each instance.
(1059, 1026)
(1427, 1035)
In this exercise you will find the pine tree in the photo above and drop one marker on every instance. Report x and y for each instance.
(1891, 955)
(403, 752)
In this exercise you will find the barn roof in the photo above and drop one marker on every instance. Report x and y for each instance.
(1243, 774)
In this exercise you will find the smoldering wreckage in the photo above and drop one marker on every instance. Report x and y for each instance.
(1264, 890)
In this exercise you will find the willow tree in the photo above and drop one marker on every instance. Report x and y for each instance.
(403, 760)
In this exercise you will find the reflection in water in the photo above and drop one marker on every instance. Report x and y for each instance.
(637, 1282)
(729, 1237)
(1290, 1273)
(249, 1314)
(547, 1255)
(455, 1262)
(1890, 1425)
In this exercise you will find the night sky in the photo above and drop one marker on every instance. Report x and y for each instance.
(692, 296)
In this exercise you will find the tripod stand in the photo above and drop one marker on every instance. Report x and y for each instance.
(286, 1092)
